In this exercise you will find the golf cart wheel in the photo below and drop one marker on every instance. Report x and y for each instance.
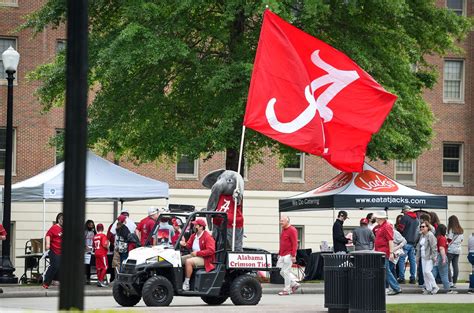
(157, 291)
(214, 300)
(122, 296)
(245, 290)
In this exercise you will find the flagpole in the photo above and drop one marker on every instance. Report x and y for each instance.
(237, 185)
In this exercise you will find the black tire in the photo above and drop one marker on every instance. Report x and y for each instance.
(122, 297)
(245, 290)
(214, 300)
(157, 291)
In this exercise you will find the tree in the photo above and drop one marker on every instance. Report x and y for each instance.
(171, 77)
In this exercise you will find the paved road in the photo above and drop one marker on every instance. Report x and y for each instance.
(269, 303)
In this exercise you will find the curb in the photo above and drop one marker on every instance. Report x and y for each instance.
(267, 289)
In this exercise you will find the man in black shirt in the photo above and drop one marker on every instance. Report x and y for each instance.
(338, 237)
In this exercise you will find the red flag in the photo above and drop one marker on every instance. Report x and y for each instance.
(312, 97)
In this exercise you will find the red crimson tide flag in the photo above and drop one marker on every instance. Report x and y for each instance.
(312, 97)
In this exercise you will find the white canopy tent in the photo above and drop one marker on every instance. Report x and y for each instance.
(105, 182)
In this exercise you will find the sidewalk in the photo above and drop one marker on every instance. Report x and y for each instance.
(22, 291)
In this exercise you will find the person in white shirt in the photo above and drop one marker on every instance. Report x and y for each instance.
(129, 223)
(372, 221)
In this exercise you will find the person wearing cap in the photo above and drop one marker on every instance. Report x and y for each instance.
(203, 248)
(362, 237)
(101, 247)
(146, 226)
(176, 222)
(338, 237)
(384, 243)
(130, 223)
(121, 239)
(408, 227)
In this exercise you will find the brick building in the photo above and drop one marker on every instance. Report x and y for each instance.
(447, 168)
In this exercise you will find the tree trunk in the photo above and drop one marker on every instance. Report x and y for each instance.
(235, 40)
(232, 161)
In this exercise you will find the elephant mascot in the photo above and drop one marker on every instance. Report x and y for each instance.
(227, 190)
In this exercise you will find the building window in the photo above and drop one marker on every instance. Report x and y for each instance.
(457, 6)
(453, 83)
(187, 168)
(300, 230)
(60, 45)
(5, 43)
(294, 171)
(405, 171)
(3, 150)
(452, 164)
(58, 142)
(9, 3)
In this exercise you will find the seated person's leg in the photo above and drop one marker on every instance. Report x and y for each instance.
(197, 262)
(184, 258)
(188, 265)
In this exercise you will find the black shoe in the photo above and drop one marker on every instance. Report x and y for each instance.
(412, 281)
(401, 281)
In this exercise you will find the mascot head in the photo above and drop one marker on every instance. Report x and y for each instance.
(223, 182)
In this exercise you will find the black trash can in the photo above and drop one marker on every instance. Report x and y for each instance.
(275, 277)
(367, 282)
(336, 281)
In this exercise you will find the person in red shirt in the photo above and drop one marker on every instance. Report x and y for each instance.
(203, 249)
(384, 243)
(146, 226)
(53, 242)
(287, 255)
(177, 230)
(441, 266)
(3, 233)
(101, 247)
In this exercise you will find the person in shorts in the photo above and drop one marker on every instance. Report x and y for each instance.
(203, 249)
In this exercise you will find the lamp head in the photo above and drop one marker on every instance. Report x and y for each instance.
(10, 59)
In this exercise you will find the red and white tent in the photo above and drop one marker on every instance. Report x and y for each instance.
(370, 188)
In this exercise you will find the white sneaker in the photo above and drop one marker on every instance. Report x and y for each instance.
(452, 292)
(426, 292)
(295, 287)
(387, 290)
(435, 290)
(186, 286)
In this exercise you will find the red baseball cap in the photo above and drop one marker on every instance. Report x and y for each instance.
(100, 227)
(121, 218)
(364, 221)
(200, 222)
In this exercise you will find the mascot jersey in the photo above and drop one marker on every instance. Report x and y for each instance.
(226, 204)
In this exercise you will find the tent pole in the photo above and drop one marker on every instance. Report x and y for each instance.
(115, 211)
(279, 228)
(44, 218)
(121, 205)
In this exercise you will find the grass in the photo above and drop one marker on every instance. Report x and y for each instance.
(430, 307)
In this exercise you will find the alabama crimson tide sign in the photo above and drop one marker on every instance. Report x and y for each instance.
(310, 96)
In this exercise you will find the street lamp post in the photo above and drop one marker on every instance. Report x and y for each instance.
(10, 62)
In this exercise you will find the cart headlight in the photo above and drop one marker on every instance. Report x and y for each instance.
(154, 260)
